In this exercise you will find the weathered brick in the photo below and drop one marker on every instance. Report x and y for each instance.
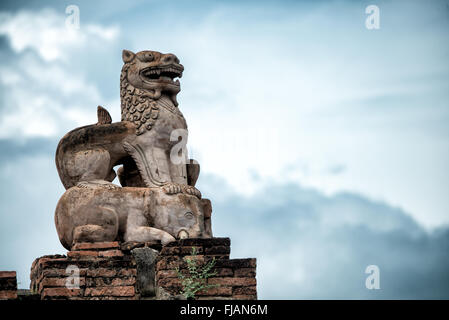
(166, 274)
(217, 257)
(252, 290)
(101, 272)
(214, 298)
(161, 265)
(216, 291)
(110, 253)
(128, 246)
(170, 251)
(218, 242)
(60, 263)
(115, 262)
(123, 291)
(236, 263)
(7, 274)
(127, 272)
(53, 272)
(113, 282)
(58, 282)
(8, 283)
(245, 272)
(218, 250)
(123, 281)
(168, 262)
(154, 244)
(197, 259)
(107, 272)
(223, 272)
(169, 282)
(244, 297)
(96, 245)
(37, 260)
(135, 297)
(187, 250)
(8, 294)
(204, 242)
(82, 254)
(230, 281)
(49, 293)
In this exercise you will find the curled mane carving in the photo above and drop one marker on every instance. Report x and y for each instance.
(137, 107)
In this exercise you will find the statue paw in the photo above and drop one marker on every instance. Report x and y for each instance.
(97, 184)
(192, 191)
(172, 188)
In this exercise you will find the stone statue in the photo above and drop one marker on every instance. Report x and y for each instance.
(158, 199)
(142, 142)
(102, 214)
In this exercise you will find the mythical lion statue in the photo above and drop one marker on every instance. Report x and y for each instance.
(157, 199)
(143, 141)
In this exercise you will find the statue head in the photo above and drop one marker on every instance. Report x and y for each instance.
(153, 72)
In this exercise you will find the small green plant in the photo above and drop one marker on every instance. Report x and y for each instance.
(196, 278)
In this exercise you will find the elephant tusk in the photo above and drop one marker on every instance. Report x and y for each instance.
(183, 234)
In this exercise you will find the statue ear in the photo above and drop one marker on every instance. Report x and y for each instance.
(127, 56)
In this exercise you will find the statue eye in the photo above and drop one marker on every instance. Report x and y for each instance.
(189, 215)
(147, 57)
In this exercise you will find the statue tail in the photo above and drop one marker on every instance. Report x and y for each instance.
(103, 116)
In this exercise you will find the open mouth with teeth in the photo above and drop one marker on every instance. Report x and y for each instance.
(166, 74)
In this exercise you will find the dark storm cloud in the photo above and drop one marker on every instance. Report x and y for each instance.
(310, 245)
(11, 149)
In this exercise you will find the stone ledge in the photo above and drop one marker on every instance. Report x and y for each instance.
(209, 242)
(128, 246)
(95, 246)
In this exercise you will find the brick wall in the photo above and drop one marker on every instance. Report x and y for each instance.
(112, 271)
(105, 272)
(234, 278)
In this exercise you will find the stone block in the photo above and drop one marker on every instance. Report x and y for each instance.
(95, 246)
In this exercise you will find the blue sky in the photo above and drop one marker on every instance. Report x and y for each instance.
(327, 141)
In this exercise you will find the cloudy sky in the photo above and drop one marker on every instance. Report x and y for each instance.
(324, 146)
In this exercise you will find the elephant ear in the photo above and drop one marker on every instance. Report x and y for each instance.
(127, 56)
(207, 210)
(149, 203)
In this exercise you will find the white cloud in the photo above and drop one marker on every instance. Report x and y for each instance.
(46, 33)
(44, 92)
